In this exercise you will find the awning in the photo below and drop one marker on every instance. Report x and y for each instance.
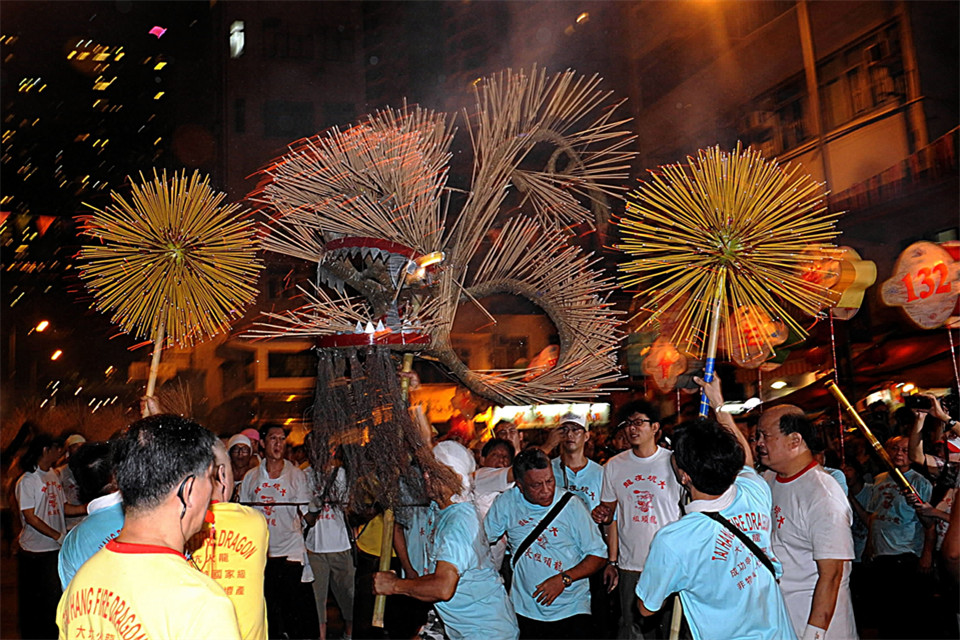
(920, 358)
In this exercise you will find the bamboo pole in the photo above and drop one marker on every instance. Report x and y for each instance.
(710, 364)
(154, 369)
(676, 619)
(897, 475)
(386, 539)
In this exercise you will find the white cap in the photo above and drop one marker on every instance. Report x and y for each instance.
(74, 439)
(457, 457)
(239, 439)
(573, 418)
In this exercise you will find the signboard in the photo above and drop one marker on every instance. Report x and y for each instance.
(925, 282)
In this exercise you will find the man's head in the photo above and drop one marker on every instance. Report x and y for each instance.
(618, 439)
(898, 449)
(783, 435)
(574, 431)
(459, 459)
(240, 449)
(222, 473)
(497, 453)
(706, 456)
(641, 422)
(72, 443)
(879, 408)
(506, 430)
(274, 439)
(161, 459)
(255, 444)
(93, 470)
(534, 476)
(42, 452)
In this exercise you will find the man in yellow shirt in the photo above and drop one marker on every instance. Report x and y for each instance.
(234, 550)
(140, 585)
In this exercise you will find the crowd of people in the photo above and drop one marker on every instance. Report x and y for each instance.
(766, 526)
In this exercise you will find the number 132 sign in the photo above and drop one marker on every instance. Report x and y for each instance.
(925, 282)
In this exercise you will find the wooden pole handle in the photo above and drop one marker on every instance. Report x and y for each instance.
(386, 539)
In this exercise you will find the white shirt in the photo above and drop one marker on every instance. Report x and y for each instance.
(42, 492)
(489, 483)
(811, 521)
(329, 534)
(286, 536)
(647, 496)
(71, 493)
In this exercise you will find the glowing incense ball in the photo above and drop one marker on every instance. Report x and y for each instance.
(731, 227)
(172, 256)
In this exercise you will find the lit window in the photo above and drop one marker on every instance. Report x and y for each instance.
(236, 39)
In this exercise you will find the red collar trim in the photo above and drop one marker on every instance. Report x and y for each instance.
(132, 547)
(812, 464)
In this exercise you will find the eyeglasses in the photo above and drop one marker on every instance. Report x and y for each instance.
(577, 429)
(635, 422)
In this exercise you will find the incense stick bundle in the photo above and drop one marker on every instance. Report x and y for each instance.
(172, 261)
(731, 225)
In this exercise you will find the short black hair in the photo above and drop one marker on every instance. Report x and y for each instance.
(92, 468)
(30, 457)
(637, 406)
(796, 423)
(709, 454)
(267, 426)
(529, 458)
(493, 443)
(154, 455)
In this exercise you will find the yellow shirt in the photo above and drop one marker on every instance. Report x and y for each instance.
(235, 558)
(140, 592)
(371, 536)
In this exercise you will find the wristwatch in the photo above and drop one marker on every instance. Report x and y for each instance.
(567, 580)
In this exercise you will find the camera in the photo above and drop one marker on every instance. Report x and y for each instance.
(917, 402)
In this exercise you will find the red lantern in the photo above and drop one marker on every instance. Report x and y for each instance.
(664, 363)
(755, 335)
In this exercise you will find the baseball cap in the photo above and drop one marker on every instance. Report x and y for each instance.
(74, 439)
(574, 418)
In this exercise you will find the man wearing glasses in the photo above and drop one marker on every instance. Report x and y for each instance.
(639, 486)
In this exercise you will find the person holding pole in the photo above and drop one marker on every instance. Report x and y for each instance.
(458, 576)
(718, 556)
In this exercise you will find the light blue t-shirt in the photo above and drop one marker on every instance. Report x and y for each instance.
(102, 525)
(726, 592)
(479, 607)
(895, 527)
(419, 522)
(565, 543)
(585, 483)
(841, 479)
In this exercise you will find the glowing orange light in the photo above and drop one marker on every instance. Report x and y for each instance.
(56, 354)
(42, 326)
